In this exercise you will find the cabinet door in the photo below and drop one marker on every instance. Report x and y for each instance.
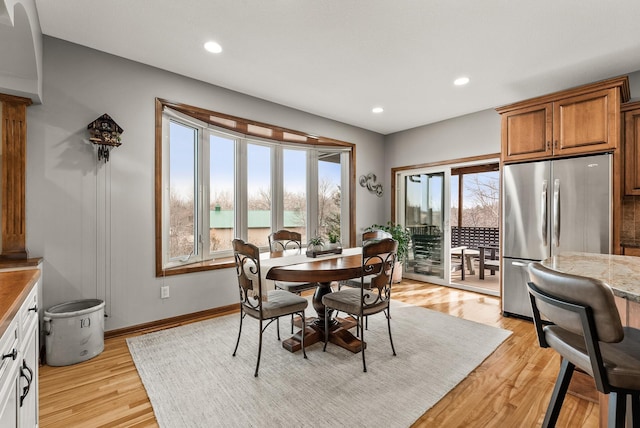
(9, 402)
(632, 152)
(28, 382)
(586, 123)
(527, 133)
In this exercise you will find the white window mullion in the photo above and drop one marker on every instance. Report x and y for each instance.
(205, 168)
(345, 198)
(312, 191)
(197, 203)
(277, 189)
(241, 198)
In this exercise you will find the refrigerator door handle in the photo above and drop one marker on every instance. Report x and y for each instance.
(520, 264)
(556, 212)
(543, 212)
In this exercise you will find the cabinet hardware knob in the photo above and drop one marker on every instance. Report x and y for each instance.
(13, 354)
(34, 309)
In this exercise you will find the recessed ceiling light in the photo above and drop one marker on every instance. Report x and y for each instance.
(461, 81)
(213, 47)
(377, 110)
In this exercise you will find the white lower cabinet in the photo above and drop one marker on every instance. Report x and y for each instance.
(9, 377)
(9, 404)
(19, 367)
(28, 383)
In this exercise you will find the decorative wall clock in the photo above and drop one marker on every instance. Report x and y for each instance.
(105, 132)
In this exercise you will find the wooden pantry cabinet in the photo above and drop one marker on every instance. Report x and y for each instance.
(631, 124)
(576, 121)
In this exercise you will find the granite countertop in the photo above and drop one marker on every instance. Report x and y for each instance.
(621, 273)
(14, 288)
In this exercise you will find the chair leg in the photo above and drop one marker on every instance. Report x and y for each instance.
(304, 326)
(635, 410)
(617, 410)
(259, 350)
(389, 327)
(278, 327)
(364, 362)
(326, 328)
(239, 331)
(299, 294)
(559, 391)
(291, 323)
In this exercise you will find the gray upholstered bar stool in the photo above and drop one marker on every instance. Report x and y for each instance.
(587, 332)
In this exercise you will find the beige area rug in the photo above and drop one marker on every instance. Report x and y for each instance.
(193, 381)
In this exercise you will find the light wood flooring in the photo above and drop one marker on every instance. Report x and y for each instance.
(510, 389)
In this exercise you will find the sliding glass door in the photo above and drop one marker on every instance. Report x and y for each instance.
(422, 208)
(432, 199)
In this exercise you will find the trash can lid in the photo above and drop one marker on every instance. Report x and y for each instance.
(75, 307)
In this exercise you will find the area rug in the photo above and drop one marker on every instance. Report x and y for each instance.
(193, 381)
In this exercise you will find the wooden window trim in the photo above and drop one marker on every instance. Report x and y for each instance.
(243, 126)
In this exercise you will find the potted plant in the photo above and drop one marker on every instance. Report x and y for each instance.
(316, 243)
(334, 240)
(402, 235)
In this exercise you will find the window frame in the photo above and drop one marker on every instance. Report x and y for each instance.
(252, 132)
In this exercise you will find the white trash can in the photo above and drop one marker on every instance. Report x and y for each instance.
(74, 331)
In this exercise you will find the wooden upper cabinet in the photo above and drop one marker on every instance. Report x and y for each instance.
(575, 121)
(527, 132)
(631, 148)
(586, 123)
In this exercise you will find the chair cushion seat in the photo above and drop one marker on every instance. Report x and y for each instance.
(295, 287)
(348, 300)
(279, 302)
(621, 360)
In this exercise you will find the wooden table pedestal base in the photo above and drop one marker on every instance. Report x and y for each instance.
(339, 334)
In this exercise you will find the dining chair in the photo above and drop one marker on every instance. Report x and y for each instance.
(289, 240)
(583, 325)
(372, 235)
(278, 303)
(368, 236)
(378, 261)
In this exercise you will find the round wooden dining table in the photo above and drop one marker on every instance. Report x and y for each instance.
(323, 272)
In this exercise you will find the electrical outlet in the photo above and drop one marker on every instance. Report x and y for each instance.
(164, 292)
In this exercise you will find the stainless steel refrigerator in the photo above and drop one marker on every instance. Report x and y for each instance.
(550, 207)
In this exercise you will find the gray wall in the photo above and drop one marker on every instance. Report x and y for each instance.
(94, 223)
(461, 137)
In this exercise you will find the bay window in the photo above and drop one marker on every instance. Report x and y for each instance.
(215, 183)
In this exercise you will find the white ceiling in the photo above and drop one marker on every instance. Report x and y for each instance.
(340, 58)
